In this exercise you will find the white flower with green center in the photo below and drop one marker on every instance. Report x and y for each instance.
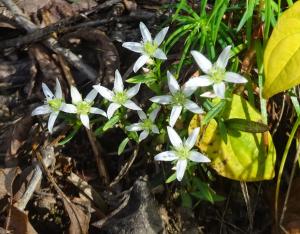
(146, 125)
(182, 152)
(216, 73)
(84, 106)
(53, 104)
(179, 99)
(148, 47)
(118, 96)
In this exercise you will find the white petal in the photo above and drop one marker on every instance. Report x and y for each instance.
(159, 54)
(188, 90)
(155, 129)
(97, 111)
(91, 96)
(75, 95)
(193, 107)
(51, 120)
(58, 91)
(118, 84)
(166, 156)
(219, 89)
(133, 46)
(133, 91)
(234, 78)
(85, 120)
(104, 92)
(204, 64)
(191, 141)
(145, 32)
(142, 60)
(164, 99)
(224, 57)
(175, 113)
(200, 81)
(134, 127)
(153, 114)
(180, 168)
(131, 105)
(161, 36)
(68, 108)
(142, 115)
(208, 94)
(174, 137)
(47, 92)
(198, 157)
(172, 83)
(41, 110)
(143, 135)
(112, 109)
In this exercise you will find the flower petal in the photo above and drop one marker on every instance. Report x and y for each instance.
(75, 95)
(200, 81)
(172, 83)
(193, 107)
(68, 108)
(58, 91)
(142, 60)
(155, 129)
(41, 110)
(180, 168)
(118, 84)
(133, 91)
(191, 140)
(198, 157)
(112, 109)
(131, 105)
(133, 46)
(204, 64)
(219, 89)
(142, 115)
(208, 94)
(175, 113)
(153, 114)
(97, 111)
(91, 96)
(159, 54)
(104, 92)
(161, 36)
(166, 156)
(51, 120)
(134, 127)
(85, 120)
(143, 135)
(174, 137)
(47, 92)
(223, 58)
(233, 77)
(164, 99)
(145, 32)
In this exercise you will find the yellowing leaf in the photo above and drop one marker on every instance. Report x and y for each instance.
(246, 156)
(282, 54)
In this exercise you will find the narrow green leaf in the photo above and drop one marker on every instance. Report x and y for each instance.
(141, 79)
(70, 136)
(171, 178)
(246, 125)
(217, 109)
(123, 145)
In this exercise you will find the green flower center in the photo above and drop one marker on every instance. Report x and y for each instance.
(147, 124)
(183, 153)
(55, 104)
(217, 74)
(83, 107)
(179, 98)
(120, 98)
(150, 47)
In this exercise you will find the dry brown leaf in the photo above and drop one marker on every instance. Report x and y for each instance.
(7, 177)
(130, 5)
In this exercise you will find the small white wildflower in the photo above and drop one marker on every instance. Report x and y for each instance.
(118, 96)
(179, 99)
(148, 47)
(216, 73)
(84, 107)
(53, 104)
(146, 125)
(182, 152)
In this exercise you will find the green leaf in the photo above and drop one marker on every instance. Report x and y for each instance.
(246, 125)
(123, 145)
(186, 200)
(70, 136)
(141, 79)
(217, 109)
(171, 178)
(109, 124)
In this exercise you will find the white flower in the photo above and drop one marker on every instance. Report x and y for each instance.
(182, 152)
(148, 47)
(84, 107)
(215, 73)
(179, 99)
(118, 96)
(53, 104)
(146, 125)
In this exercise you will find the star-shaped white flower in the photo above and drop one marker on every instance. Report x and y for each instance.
(146, 125)
(182, 152)
(179, 99)
(118, 96)
(84, 107)
(148, 47)
(216, 73)
(53, 104)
